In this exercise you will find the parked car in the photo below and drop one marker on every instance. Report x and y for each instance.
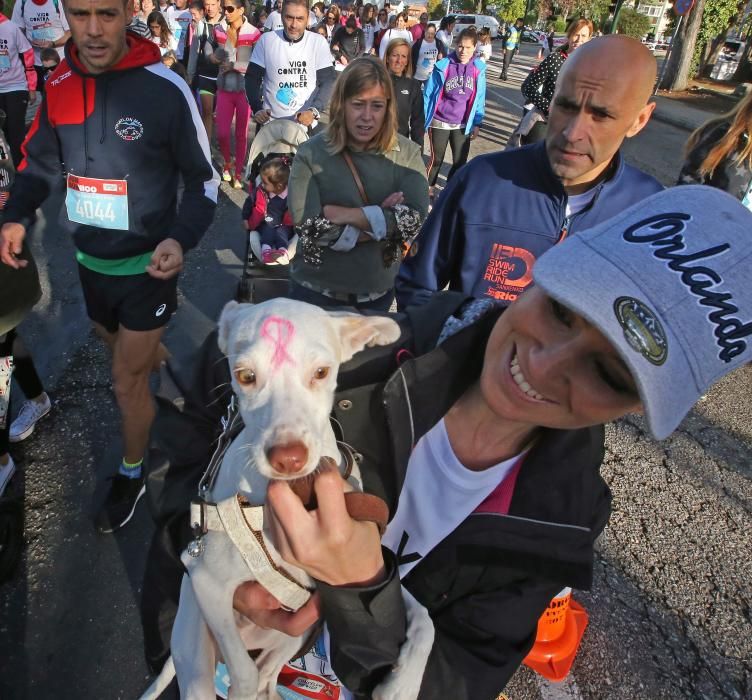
(477, 21)
(531, 36)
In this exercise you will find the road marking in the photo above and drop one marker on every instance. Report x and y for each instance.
(497, 91)
(564, 690)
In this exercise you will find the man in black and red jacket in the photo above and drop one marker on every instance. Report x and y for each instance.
(119, 130)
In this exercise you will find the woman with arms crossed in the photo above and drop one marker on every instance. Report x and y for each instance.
(357, 195)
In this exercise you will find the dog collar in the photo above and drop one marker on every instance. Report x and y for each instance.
(244, 525)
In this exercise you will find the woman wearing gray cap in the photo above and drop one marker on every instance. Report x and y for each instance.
(482, 429)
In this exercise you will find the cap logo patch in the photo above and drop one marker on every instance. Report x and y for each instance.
(664, 232)
(642, 329)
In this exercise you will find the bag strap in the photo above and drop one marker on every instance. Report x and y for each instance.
(358, 182)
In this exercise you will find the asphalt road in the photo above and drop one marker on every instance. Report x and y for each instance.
(670, 611)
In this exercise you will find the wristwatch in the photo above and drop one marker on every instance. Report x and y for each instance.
(316, 114)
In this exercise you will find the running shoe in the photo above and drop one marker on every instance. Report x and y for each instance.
(30, 413)
(120, 504)
(226, 175)
(6, 472)
(237, 184)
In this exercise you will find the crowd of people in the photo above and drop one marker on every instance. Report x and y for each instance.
(482, 427)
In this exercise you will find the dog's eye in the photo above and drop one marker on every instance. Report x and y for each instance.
(321, 373)
(245, 376)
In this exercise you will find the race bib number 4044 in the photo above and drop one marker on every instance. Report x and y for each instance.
(100, 203)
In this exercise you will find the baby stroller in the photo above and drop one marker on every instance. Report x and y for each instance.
(260, 281)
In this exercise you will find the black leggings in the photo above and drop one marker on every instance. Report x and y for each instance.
(439, 139)
(14, 105)
(24, 373)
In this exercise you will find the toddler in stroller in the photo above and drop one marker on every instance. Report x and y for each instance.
(263, 276)
(265, 211)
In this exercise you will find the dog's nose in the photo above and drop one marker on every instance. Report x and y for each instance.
(288, 459)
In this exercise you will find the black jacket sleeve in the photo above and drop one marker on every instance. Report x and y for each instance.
(325, 78)
(417, 114)
(190, 407)
(254, 80)
(190, 150)
(40, 171)
(480, 641)
(367, 628)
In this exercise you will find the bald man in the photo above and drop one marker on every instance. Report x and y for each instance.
(504, 210)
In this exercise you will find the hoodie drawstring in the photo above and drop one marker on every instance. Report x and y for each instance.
(86, 140)
(104, 112)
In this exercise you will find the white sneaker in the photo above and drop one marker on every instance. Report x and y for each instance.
(27, 417)
(6, 472)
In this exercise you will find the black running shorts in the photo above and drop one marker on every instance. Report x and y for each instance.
(136, 302)
(204, 84)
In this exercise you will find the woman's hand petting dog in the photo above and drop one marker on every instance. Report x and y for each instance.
(263, 609)
(326, 543)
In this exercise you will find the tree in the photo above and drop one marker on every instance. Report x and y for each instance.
(592, 9)
(633, 23)
(436, 9)
(719, 16)
(677, 72)
(545, 9)
(744, 71)
(565, 7)
(510, 10)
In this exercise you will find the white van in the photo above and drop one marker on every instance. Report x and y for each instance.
(477, 21)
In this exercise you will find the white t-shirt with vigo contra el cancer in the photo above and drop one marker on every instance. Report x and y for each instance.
(290, 69)
(41, 20)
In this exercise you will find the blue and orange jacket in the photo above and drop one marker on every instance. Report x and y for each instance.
(434, 90)
(497, 216)
(136, 122)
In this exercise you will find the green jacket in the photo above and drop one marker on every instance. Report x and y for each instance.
(320, 177)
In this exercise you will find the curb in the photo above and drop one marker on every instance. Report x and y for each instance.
(678, 122)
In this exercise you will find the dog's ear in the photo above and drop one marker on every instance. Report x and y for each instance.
(357, 332)
(226, 319)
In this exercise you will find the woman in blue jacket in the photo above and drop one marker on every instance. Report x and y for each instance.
(454, 101)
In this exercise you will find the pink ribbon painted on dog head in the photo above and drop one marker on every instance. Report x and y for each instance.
(279, 332)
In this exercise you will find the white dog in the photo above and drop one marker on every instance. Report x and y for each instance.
(284, 356)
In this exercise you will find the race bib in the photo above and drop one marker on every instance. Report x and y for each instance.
(309, 677)
(296, 684)
(99, 203)
(44, 34)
